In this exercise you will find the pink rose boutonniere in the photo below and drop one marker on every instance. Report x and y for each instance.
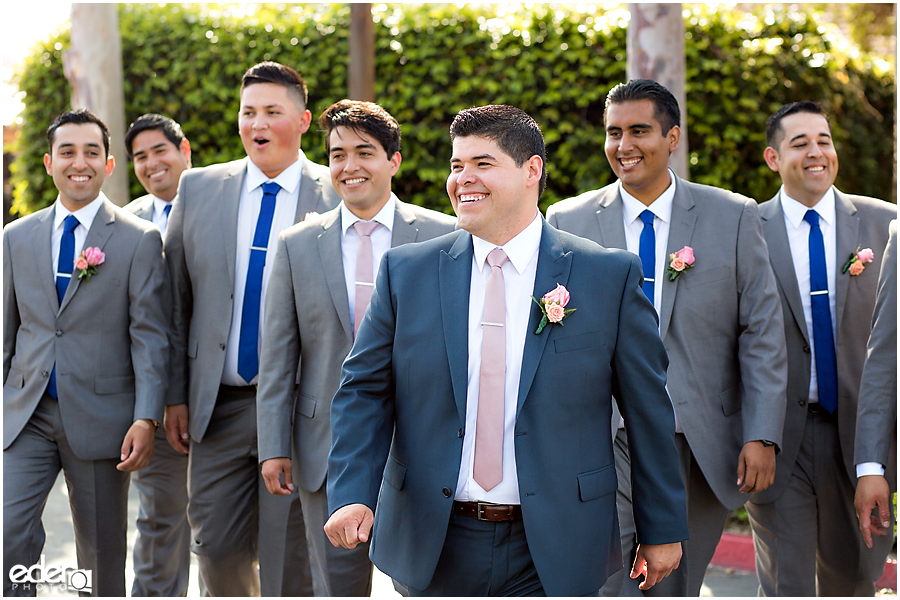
(856, 264)
(553, 306)
(87, 262)
(679, 262)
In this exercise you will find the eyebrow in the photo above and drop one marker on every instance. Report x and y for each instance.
(357, 147)
(803, 135)
(634, 126)
(72, 145)
(479, 157)
(273, 105)
(159, 145)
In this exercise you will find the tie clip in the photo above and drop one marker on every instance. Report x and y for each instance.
(483, 323)
(649, 280)
(818, 293)
(64, 275)
(260, 248)
(365, 283)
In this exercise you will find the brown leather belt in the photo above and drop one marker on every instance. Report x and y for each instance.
(484, 511)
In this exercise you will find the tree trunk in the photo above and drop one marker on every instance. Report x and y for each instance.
(361, 75)
(93, 66)
(656, 51)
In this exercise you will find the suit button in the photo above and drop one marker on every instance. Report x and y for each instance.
(59, 333)
(45, 374)
(806, 349)
(446, 492)
(801, 402)
(222, 346)
(459, 433)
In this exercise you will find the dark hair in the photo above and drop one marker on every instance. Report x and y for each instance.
(362, 117)
(517, 134)
(774, 130)
(82, 116)
(665, 106)
(153, 122)
(273, 72)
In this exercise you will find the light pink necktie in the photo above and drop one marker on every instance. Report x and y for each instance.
(488, 469)
(364, 283)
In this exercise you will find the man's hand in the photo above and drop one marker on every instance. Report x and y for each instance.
(756, 467)
(350, 525)
(655, 563)
(271, 472)
(872, 491)
(176, 423)
(137, 447)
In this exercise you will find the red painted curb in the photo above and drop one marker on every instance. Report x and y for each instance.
(735, 551)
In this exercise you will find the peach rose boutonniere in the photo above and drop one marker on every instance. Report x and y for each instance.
(679, 262)
(88, 261)
(553, 306)
(856, 264)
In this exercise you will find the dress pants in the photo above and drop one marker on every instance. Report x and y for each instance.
(162, 548)
(236, 523)
(342, 572)
(484, 558)
(808, 541)
(98, 498)
(706, 520)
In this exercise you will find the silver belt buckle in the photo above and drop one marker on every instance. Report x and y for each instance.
(480, 513)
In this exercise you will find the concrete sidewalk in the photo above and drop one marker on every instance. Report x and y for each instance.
(721, 581)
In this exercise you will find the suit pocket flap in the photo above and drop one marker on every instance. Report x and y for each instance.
(193, 347)
(597, 483)
(704, 277)
(306, 406)
(394, 473)
(731, 400)
(114, 385)
(579, 342)
(15, 379)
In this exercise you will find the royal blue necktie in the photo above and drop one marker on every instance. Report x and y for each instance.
(168, 209)
(647, 252)
(63, 275)
(823, 337)
(248, 346)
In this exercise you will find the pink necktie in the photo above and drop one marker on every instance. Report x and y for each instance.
(488, 469)
(364, 283)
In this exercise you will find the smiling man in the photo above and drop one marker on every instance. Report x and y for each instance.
(486, 444)
(805, 527)
(720, 321)
(222, 231)
(320, 287)
(86, 306)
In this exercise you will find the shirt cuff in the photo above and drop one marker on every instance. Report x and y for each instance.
(869, 468)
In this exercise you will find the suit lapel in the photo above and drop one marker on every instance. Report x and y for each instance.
(681, 230)
(42, 239)
(331, 257)
(404, 230)
(229, 190)
(775, 233)
(310, 192)
(610, 219)
(100, 230)
(847, 239)
(455, 277)
(553, 267)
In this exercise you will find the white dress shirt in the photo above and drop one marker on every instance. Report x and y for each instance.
(248, 214)
(381, 243)
(798, 238)
(518, 281)
(160, 218)
(85, 216)
(662, 219)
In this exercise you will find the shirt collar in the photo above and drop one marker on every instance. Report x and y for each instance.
(159, 205)
(85, 214)
(385, 216)
(289, 179)
(661, 207)
(794, 211)
(519, 250)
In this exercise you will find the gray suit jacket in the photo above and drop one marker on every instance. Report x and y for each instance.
(108, 337)
(720, 321)
(201, 244)
(142, 207)
(304, 323)
(862, 222)
(876, 416)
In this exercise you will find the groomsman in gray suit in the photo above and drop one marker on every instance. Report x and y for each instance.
(706, 271)
(86, 305)
(826, 249)
(224, 222)
(162, 549)
(876, 415)
(321, 282)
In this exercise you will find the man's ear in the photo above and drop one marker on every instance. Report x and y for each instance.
(771, 156)
(674, 136)
(534, 166)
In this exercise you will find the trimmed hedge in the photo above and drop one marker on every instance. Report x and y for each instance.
(433, 60)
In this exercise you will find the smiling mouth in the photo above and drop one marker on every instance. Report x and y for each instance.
(79, 178)
(157, 175)
(630, 162)
(815, 169)
(354, 181)
(466, 198)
